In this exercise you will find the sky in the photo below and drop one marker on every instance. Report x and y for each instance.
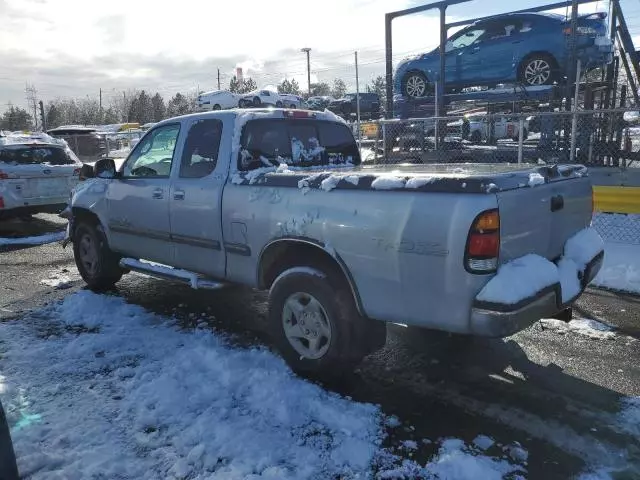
(74, 48)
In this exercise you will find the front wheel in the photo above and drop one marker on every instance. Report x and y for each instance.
(98, 265)
(217, 107)
(415, 85)
(315, 323)
(256, 102)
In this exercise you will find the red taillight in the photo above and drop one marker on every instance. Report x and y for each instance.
(3, 175)
(483, 243)
(1, 202)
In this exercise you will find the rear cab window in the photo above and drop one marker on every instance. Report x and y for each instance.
(36, 155)
(297, 143)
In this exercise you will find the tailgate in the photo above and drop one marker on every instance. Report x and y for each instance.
(44, 180)
(541, 218)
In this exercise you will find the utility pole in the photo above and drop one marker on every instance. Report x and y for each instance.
(42, 117)
(100, 111)
(218, 79)
(32, 99)
(307, 50)
(357, 100)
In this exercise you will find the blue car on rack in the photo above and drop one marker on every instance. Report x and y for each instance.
(531, 49)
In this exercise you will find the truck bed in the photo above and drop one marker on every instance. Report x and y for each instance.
(442, 178)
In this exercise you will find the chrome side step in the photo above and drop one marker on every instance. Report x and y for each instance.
(164, 272)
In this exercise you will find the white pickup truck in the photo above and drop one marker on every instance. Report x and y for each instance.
(278, 200)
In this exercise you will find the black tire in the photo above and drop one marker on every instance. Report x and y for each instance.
(476, 137)
(279, 104)
(8, 464)
(217, 107)
(415, 85)
(525, 134)
(351, 338)
(104, 271)
(538, 69)
(256, 101)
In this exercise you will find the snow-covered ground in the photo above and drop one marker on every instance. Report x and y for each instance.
(98, 388)
(582, 326)
(621, 268)
(37, 240)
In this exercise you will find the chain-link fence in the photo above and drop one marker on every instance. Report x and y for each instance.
(619, 228)
(595, 138)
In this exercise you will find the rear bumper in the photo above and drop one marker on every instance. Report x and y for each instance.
(497, 320)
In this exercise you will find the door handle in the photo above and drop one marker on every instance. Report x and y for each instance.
(157, 193)
(178, 195)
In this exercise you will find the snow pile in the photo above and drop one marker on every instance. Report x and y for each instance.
(107, 388)
(629, 417)
(582, 326)
(519, 279)
(536, 179)
(524, 277)
(388, 183)
(418, 182)
(39, 240)
(457, 461)
(621, 268)
(330, 182)
(58, 281)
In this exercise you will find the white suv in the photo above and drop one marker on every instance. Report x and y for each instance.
(37, 173)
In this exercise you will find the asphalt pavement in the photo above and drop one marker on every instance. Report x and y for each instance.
(556, 392)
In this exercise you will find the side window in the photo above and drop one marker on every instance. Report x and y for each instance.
(200, 154)
(464, 39)
(264, 143)
(153, 155)
(338, 143)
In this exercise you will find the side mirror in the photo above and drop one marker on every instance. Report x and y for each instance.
(86, 171)
(104, 168)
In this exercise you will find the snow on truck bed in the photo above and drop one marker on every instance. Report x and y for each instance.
(98, 388)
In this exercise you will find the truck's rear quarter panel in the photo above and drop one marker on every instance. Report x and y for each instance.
(404, 250)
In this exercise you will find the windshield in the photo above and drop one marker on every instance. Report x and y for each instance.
(463, 39)
(36, 155)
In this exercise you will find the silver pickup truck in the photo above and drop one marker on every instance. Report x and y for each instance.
(277, 200)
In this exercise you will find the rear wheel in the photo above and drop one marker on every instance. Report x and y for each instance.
(98, 265)
(537, 70)
(315, 323)
(256, 101)
(415, 85)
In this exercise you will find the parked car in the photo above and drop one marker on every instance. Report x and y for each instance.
(258, 98)
(477, 128)
(530, 48)
(292, 101)
(319, 103)
(37, 173)
(276, 199)
(346, 106)
(86, 142)
(217, 100)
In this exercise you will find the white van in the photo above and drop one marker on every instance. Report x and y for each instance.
(217, 100)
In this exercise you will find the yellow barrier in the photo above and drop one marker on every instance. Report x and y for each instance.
(616, 199)
(369, 129)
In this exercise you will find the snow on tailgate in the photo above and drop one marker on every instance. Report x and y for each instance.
(98, 388)
(524, 277)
